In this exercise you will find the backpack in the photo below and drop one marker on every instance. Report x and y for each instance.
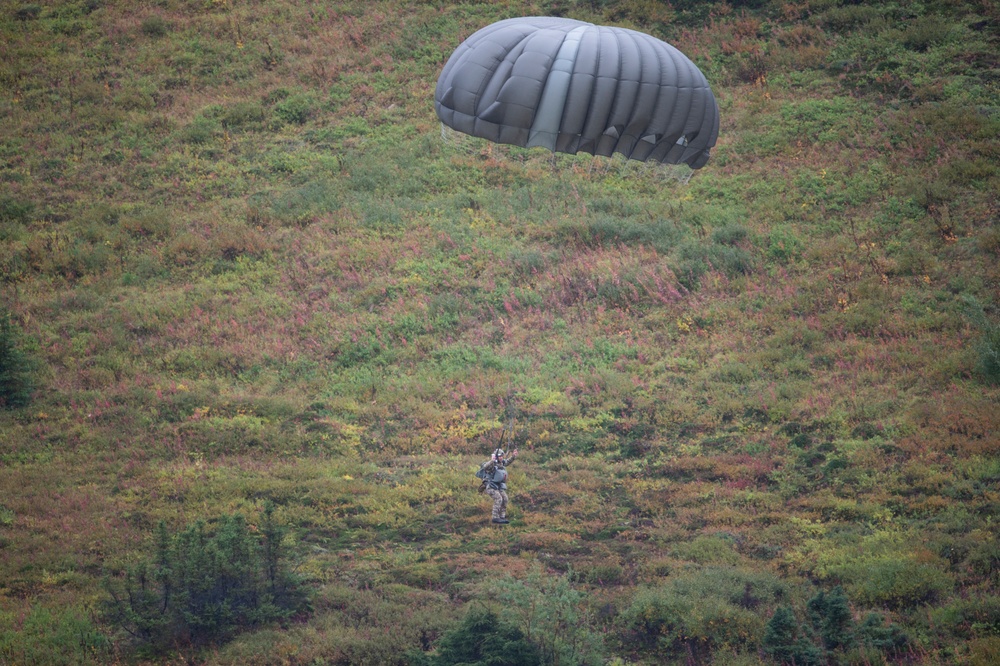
(486, 470)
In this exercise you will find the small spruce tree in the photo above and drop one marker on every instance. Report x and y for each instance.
(482, 639)
(779, 635)
(831, 617)
(784, 644)
(16, 367)
(988, 345)
(875, 633)
(201, 587)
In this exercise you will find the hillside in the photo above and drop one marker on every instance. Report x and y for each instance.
(243, 273)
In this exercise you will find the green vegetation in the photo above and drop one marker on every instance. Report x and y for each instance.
(201, 587)
(243, 274)
(482, 640)
(17, 381)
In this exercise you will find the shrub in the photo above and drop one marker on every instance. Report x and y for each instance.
(296, 109)
(201, 130)
(27, 12)
(243, 115)
(551, 614)
(482, 639)
(608, 231)
(783, 642)
(56, 635)
(783, 246)
(873, 632)
(924, 32)
(527, 262)
(13, 211)
(715, 607)
(17, 369)
(898, 583)
(697, 258)
(831, 617)
(202, 587)
(154, 26)
(988, 347)
(730, 234)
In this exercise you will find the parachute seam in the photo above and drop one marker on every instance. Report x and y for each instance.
(691, 102)
(614, 97)
(662, 56)
(618, 140)
(667, 138)
(638, 93)
(545, 86)
(592, 103)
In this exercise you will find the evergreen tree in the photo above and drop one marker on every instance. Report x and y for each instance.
(482, 639)
(831, 617)
(779, 635)
(781, 641)
(874, 632)
(16, 367)
(551, 614)
(201, 587)
(988, 366)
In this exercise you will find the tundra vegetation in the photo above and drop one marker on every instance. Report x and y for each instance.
(259, 323)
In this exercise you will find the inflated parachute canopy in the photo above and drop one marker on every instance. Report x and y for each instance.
(572, 86)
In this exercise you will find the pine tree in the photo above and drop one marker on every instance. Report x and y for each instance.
(482, 639)
(16, 368)
(831, 617)
(200, 587)
(874, 632)
(779, 635)
(782, 642)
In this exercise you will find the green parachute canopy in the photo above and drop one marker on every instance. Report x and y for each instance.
(572, 86)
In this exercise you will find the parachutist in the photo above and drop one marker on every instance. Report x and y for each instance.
(494, 475)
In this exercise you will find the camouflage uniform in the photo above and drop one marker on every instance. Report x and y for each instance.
(498, 491)
(499, 502)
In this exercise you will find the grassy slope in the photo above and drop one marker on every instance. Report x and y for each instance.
(252, 269)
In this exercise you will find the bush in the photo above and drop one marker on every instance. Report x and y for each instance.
(693, 614)
(873, 632)
(200, 587)
(551, 614)
(695, 258)
(17, 369)
(988, 365)
(154, 26)
(243, 115)
(52, 635)
(924, 32)
(295, 110)
(27, 12)
(898, 583)
(832, 623)
(831, 617)
(783, 246)
(13, 211)
(482, 639)
(783, 643)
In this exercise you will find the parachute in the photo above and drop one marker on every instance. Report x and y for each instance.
(572, 86)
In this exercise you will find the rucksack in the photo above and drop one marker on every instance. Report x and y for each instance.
(486, 470)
